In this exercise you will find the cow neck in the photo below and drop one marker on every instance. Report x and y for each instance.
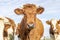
(24, 27)
(23, 23)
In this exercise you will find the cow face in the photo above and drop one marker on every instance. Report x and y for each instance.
(9, 29)
(29, 11)
(53, 23)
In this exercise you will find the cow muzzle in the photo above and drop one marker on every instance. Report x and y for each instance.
(30, 26)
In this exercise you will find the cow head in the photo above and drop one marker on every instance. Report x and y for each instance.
(54, 24)
(9, 28)
(29, 11)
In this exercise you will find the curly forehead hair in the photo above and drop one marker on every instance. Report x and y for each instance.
(29, 6)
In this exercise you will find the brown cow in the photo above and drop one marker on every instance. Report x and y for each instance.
(30, 28)
(54, 29)
(8, 27)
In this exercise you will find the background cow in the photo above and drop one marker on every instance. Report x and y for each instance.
(54, 29)
(30, 28)
(7, 27)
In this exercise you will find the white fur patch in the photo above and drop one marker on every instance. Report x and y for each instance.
(57, 37)
(10, 30)
(54, 21)
(1, 29)
(3, 20)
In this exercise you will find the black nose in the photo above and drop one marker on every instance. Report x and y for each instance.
(30, 25)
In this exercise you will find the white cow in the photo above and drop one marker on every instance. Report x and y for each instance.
(6, 28)
(54, 29)
(2, 22)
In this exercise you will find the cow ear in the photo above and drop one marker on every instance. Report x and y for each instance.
(40, 10)
(48, 22)
(18, 11)
(58, 21)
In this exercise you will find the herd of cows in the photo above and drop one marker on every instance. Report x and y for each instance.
(30, 28)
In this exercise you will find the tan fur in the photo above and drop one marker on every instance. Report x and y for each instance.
(58, 27)
(37, 32)
(30, 11)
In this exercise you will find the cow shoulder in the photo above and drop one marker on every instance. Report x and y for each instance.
(39, 26)
(39, 22)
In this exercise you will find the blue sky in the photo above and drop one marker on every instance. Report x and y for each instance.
(52, 10)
